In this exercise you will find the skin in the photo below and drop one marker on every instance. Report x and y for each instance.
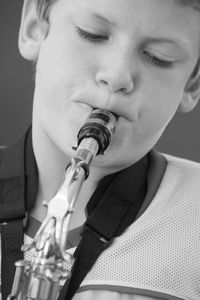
(137, 64)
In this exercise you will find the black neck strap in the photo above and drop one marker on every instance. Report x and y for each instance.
(105, 222)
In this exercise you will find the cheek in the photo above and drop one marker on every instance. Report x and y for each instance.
(70, 57)
(159, 107)
(59, 73)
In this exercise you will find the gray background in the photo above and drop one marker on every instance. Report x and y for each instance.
(16, 90)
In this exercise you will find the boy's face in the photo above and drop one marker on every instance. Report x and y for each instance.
(131, 57)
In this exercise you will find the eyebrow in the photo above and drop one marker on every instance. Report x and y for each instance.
(173, 41)
(101, 18)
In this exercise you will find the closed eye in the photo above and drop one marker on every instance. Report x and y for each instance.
(92, 37)
(157, 61)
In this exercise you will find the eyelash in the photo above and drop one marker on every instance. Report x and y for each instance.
(98, 38)
(92, 37)
(162, 63)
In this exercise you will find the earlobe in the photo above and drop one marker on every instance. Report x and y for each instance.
(31, 32)
(191, 93)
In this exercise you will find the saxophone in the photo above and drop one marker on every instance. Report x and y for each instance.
(39, 279)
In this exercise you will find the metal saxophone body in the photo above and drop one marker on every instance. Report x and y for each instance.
(40, 278)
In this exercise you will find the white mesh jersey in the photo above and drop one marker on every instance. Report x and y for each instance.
(158, 256)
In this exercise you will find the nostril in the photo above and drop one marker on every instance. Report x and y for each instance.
(115, 81)
(124, 90)
(104, 82)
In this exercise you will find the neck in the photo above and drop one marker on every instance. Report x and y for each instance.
(51, 164)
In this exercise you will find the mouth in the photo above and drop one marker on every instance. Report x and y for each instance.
(106, 110)
(117, 112)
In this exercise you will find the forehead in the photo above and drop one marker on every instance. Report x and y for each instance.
(161, 17)
(167, 9)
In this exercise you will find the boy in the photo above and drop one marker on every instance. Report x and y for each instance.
(140, 60)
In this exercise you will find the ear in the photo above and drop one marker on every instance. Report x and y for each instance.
(31, 31)
(191, 94)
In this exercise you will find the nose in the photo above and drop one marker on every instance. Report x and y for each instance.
(115, 73)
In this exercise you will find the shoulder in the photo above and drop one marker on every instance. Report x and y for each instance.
(183, 175)
(175, 171)
(182, 163)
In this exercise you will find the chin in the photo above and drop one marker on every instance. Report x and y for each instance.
(112, 161)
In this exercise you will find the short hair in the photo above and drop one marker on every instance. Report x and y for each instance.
(44, 6)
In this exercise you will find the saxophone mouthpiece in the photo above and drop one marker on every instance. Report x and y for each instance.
(100, 125)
